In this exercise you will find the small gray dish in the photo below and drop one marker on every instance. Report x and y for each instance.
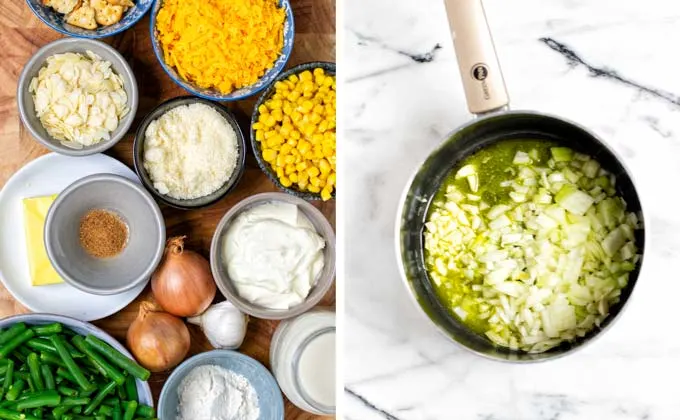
(221, 273)
(329, 68)
(268, 393)
(76, 45)
(205, 201)
(146, 234)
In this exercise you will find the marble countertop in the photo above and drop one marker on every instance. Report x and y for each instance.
(613, 66)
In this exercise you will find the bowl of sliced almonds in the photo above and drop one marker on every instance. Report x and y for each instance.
(77, 96)
(90, 18)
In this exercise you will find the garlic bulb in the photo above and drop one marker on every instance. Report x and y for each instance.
(223, 324)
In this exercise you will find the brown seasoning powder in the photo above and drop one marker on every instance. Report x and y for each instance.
(103, 234)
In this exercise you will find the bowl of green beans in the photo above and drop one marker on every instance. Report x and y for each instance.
(56, 367)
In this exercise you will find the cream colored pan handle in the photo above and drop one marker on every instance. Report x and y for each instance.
(477, 60)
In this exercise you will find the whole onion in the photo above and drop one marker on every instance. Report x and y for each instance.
(158, 340)
(183, 283)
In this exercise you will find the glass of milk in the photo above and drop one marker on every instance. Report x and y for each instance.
(303, 360)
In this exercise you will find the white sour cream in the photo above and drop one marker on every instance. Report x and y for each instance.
(273, 255)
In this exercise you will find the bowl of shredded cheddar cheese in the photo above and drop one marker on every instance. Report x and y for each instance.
(223, 50)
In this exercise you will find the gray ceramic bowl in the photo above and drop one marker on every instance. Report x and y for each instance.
(268, 392)
(82, 328)
(31, 69)
(146, 241)
(266, 167)
(221, 275)
(138, 154)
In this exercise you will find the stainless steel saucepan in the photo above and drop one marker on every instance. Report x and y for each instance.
(488, 101)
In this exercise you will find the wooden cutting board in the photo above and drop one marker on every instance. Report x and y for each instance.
(21, 34)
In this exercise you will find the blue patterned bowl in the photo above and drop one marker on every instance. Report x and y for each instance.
(57, 22)
(212, 94)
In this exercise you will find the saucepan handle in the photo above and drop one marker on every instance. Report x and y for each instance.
(479, 68)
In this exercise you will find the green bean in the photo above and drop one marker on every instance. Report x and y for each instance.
(103, 393)
(145, 411)
(130, 409)
(3, 369)
(48, 377)
(105, 410)
(40, 399)
(14, 415)
(48, 329)
(59, 411)
(34, 369)
(23, 350)
(74, 370)
(9, 374)
(15, 342)
(98, 361)
(31, 384)
(70, 402)
(66, 375)
(118, 358)
(38, 412)
(16, 389)
(99, 417)
(77, 409)
(12, 332)
(112, 401)
(120, 392)
(117, 414)
(8, 404)
(131, 388)
(66, 391)
(41, 344)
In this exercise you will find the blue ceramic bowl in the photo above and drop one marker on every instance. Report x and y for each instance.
(212, 94)
(268, 392)
(57, 22)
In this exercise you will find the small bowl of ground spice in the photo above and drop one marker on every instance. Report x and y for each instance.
(222, 50)
(104, 234)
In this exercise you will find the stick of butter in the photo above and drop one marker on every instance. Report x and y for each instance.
(40, 267)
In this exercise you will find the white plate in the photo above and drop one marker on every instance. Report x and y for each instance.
(46, 175)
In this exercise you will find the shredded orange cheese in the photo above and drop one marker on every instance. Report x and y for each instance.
(221, 44)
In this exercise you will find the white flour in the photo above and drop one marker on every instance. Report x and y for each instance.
(212, 392)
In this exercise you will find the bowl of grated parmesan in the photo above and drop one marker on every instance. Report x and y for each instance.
(189, 152)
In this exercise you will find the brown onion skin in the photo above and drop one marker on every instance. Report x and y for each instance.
(158, 340)
(183, 283)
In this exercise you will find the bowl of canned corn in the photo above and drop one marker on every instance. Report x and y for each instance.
(292, 131)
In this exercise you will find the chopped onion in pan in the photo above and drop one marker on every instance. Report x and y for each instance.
(541, 267)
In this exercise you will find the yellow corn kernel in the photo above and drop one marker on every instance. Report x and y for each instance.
(315, 118)
(275, 104)
(315, 181)
(268, 134)
(287, 108)
(302, 183)
(323, 126)
(286, 149)
(295, 135)
(296, 116)
(326, 193)
(286, 119)
(279, 172)
(317, 138)
(259, 135)
(269, 155)
(330, 82)
(289, 159)
(306, 75)
(318, 71)
(309, 155)
(309, 129)
(293, 78)
(286, 182)
(303, 146)
(277, 114)
(280, 163)
(281, 86)
(289, 169)
(258, 126)
(331, 179)
(319, 109)
(313, 189)
(324, 166)
(293, 142)
(270, 121)
(307, 106)
(294, 96)
(262, 109)
(313, 171)
(323, 177)
(293, 177)
(286, 128)
(303, 176)
(301, 166)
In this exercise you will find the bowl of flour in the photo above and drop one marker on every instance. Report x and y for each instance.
(189, 152)
(221, 385)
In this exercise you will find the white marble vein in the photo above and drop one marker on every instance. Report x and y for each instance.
(402, 95)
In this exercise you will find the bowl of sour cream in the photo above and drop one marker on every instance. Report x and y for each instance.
(273, 256)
